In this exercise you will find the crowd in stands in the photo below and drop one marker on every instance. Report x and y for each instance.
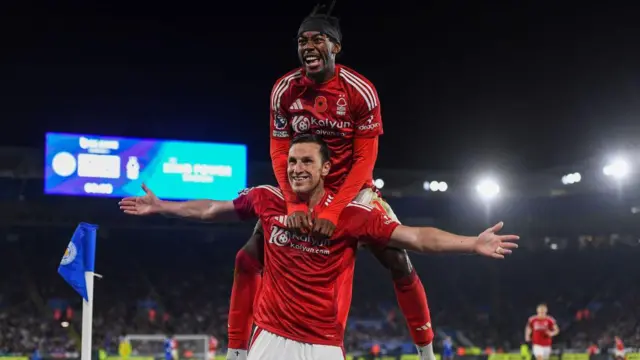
(156, 282)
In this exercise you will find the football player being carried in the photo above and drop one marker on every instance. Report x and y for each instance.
(298, 310)
(341, 106)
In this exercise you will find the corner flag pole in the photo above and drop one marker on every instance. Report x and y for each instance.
(77, 268)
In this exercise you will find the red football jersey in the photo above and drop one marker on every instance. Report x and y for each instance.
(540, 328)
(302, 276)
(619, 345)
(339, 110)
(213, 343)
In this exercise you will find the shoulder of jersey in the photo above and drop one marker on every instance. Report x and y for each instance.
(282, 85)
(359, 208)
(265, 189)
(360, 85)
(532, 317)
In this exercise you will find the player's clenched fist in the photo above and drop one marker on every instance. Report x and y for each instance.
(323, 228)
(141, 205)
(299, 222)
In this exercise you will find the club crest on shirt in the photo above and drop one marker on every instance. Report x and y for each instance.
(341, 106)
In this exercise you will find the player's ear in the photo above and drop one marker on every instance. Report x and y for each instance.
(325, 168)
(336, 48)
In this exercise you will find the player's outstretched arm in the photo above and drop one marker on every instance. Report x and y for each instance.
(200, 210)
(428, 239)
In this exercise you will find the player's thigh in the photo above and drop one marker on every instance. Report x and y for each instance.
(394, 259)
(254, 247)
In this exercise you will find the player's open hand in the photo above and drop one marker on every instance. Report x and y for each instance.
(493, 245)
(299, 222)
(141, 205)
(322, 228)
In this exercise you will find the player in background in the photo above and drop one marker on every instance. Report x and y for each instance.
(335, 102)
(296, 310)
(213, 346)
(619, 352)
(170, 348)
(447, 348)
(540, 330)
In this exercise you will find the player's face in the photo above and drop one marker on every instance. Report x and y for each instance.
(317, 52)
(306, 168)
(542, 310)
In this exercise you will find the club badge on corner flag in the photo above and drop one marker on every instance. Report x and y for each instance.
(79, 258)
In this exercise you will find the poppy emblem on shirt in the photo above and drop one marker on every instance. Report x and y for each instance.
(320, 104)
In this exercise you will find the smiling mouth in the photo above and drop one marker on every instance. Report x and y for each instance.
(312, 60)
(300, 178)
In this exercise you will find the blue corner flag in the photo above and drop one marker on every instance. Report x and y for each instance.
(79, 258)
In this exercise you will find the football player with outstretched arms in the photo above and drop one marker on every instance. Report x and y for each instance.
(296, 312)
(340, 105)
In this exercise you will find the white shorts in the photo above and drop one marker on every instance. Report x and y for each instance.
(212, 355)
(618, 353)
(371, 198)
(269, 346)
(541, 351)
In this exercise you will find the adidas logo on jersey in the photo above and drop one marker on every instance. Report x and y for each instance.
(297, 105)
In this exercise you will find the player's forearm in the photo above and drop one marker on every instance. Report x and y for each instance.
(364, 160)
(429, 239)
(435, 240)
(198, 210)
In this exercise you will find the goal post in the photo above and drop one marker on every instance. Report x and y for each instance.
(189, 346)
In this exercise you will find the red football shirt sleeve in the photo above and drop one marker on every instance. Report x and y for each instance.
(245, 203)
(365, 153)
(377, 227)
(280, 130)
(366, 110)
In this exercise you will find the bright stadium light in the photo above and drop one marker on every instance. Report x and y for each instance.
(488, 189)
(571, 178)
(435, 186)
(442, 186)
(379, 183)
(617, 169)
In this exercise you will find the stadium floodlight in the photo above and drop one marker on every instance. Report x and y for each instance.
(617, 169)
(488, 189)
(572, 178)
(379, 183)
(435, 186)
(442, 186)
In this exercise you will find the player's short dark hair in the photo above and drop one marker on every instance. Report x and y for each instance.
(325, 153)
(321, 20)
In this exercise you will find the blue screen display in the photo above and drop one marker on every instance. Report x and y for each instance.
(107, 166)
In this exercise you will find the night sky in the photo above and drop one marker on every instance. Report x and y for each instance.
(515, 84)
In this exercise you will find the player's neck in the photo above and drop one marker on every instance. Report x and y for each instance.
(324, 76)
(314, 197)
